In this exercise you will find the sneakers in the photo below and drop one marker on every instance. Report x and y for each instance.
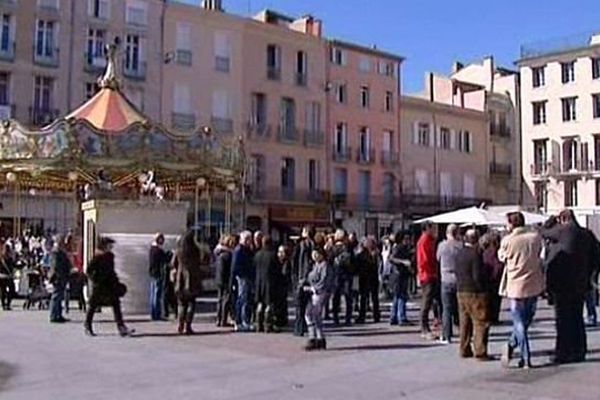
(507, 353)
(59, 320)
(444, 341)
(429, 336)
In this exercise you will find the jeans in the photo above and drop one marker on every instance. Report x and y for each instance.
(314, 315)
(431, 295)
(590, 305)
(343, 288)
(398, 313)
(450, 309)
(156, 298)
(58, 296)
(522, 312)
(243, 306)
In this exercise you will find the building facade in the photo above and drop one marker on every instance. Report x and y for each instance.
(444, 157)
(560, 95)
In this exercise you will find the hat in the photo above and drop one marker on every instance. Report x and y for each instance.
(104, 241)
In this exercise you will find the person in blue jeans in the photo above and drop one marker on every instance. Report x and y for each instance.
(244, 272)
(158, 261)
(522, 282)
(400, 260)
(447, 256)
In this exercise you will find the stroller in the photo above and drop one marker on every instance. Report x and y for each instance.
(75, 290)
(36, 291)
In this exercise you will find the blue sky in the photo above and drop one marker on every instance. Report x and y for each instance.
(431, 34)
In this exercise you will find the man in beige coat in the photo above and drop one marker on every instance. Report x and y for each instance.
(522, 283)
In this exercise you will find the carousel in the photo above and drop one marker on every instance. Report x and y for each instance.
(123, 173)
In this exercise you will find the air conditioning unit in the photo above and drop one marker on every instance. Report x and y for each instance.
(5, 113)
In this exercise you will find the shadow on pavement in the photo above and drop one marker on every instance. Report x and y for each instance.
(376, 347)
(175, 334)
(7, 372)
(375, 333)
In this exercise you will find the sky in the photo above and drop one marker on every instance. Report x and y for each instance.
(431, 35)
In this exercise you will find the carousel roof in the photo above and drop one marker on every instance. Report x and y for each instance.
(109, 111)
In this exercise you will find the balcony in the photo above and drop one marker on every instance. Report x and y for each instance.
(46, 57)
(301, 79)
(222, 64)
(48, 5)
(260, 194)
(42, 116)
(223, 126)
(390, 158)
(183, 57)
(342, 154)
(365, 156)
(424, 205)
(8, 54)
(274, 73)
(135, 71)
(94, 63)
(500, 131)
(258, 131)
(184, 122)
(287, 134)
(313, 138)
(500, 170)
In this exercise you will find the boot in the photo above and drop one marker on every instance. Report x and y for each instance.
(124, 331)
(321, 344)
(188, 330)
(311, 345)
(88, 330)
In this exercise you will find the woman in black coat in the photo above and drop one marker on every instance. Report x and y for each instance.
(267, 266)
(223, 279)
(105, 286)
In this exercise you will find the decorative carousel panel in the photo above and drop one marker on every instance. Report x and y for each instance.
(53, 144)
(127, 144)
(196, 147)
(16, 143)
(158, 143)
(89, 141)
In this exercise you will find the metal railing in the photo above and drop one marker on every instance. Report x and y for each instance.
(135, 71)
(301, 79)
(183, 57)
(47, 60)
(287, 134)
(94, 62)
(258, 131)
(222, 125)
(313, 138)
(497, 130)
(365, 156)
(500, 169)
(8, 54)
(274, 73)
(222, 64)
(342, 154)
(258, 193)
(390, 158)
(183, 121)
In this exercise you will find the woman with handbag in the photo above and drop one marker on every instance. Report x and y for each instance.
(105, 286)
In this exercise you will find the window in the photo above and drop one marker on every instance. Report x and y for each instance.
(95, 48)
(132, 53)
(91, 88)
(313, 175)
(341, 93)
(49, 4)
(445, 138)
(341, 138)
(596, 105)
(4, 88)
(45, 39)
(541, 195)
(468, 186)
(364, 64)
(364, 97)
(288, 174)
(598, 192)
(596, 68)
(301, 68)
(570, 152)
(183, 43)
(258, 117)
(386, 68)
(465, 141)
(539, 112)
(568, 72)
(364, 187)
(538, 76)
(182, 99)
(338, 56)
(99, 9)
(5, 34)
(258, 173)
(42, 94)
(388, 141)
(365, 144)
(540, 157)
(423, 135)
(340, 188)
(570, 193)
(389, 188)
(287, 117)
(422, 181)
(273, 62)
(136, 12)
(446, 185)
(569, 109)
(389, 101)
(312, 121)
(222, 51)
(221, 105)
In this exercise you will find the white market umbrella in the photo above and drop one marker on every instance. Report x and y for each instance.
(466, 216)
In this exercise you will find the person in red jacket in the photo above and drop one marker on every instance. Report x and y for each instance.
(427, 273)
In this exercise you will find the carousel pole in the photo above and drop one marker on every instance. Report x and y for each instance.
(11, 178)
(208, 213)
(73, 176)
(200, 185)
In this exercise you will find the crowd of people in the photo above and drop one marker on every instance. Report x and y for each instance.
(463, 280)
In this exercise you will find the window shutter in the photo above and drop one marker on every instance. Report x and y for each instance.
(415, 132)
(453, 139)
(432, 130)
(470, 141)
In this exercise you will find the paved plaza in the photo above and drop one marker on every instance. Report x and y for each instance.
(43, 361)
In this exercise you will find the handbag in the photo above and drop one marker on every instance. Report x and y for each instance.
(121, 289)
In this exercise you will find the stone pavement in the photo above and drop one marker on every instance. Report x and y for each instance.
(42, 361)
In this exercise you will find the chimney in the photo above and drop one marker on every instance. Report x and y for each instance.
(457, 67)
(213, 5)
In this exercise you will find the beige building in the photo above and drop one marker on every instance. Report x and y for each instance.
(560, 94)
(444, 157)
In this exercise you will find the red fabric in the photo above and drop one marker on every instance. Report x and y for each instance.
(426, 263)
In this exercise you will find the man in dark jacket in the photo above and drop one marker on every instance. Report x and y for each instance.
(302, 264)
(244, 273)
(223, 279)
(570, 266)
(265, 262)
(344, 268)
(400, 259)
(106, 288)
(60, 268)
(473, 303)
(158, 262)
(368, 280)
